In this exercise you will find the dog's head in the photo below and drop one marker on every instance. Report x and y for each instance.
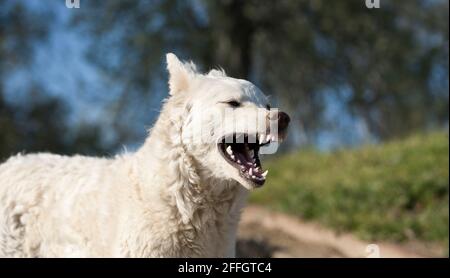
(226, 122)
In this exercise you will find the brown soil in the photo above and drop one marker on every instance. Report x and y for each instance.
(264, 233)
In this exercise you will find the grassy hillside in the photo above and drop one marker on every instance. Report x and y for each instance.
(395, 191)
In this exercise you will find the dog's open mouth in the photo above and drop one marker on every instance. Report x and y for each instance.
(242, 152)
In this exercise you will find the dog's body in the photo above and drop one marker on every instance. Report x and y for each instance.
(169, 199)
(57, 206)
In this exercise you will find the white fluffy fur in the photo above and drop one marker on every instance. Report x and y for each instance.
(169, 199)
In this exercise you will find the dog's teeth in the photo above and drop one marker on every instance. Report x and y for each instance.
(256, 169)
(253, 177)
(273, 139)
(250, 172)
(232, 156)
(265, 173)
(238, 161)
(229, 150)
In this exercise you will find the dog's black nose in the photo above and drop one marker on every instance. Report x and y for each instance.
(283, 120)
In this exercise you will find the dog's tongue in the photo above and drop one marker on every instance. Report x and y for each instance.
(248, 165)
(243, 158)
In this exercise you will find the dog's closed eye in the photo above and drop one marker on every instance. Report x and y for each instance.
(233, 103)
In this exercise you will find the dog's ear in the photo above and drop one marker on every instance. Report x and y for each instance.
(180, 74)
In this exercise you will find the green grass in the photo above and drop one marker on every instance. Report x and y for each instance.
(394, 191)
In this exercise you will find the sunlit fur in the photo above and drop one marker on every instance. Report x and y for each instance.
(170, 198)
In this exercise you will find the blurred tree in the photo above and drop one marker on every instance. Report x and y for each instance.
(389, 66)
(37, 124)
(40, 125)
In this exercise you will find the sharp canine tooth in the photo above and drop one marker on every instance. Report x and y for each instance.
(232, 157)
(265, 173)
(229, 151)
(250, 172)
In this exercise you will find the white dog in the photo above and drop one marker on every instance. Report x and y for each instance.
(175, 197)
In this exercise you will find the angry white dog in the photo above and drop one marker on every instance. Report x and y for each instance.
(179, 195)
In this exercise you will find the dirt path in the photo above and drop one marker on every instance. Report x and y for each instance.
(265, 233)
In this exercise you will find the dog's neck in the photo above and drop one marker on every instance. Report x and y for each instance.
(162, 162)
(192, 198)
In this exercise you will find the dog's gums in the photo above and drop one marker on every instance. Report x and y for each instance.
(242, 152)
